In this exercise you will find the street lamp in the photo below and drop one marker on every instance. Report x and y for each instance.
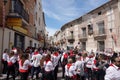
(3, 26)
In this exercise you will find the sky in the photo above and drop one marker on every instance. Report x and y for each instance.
(59, 12)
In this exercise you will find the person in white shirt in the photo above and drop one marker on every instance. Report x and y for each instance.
(89, 63)
(64, 59)
(55, 58)
(48, 68)
(113, 71)
(4, 61)
(36, 57)
(70, 70)
(24, 65)
(11, 68)
(79, 65)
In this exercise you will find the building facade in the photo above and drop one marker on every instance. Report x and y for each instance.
(19, 26)
(98, 29)
(56, 38)
(40, 28)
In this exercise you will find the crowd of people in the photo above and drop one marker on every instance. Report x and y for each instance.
(76, 64)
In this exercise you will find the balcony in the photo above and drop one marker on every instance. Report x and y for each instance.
(100, 34)
(82, 37)
(19, 11)
(70, 39)
(18, 8)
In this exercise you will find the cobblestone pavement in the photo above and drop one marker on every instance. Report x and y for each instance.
(60, 74)
(3, 76)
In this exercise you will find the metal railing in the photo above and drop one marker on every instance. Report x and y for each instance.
(100, 32)
(18, 8)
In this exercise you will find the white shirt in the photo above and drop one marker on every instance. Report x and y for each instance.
(25, 65)
(11, 60)
(55, 59)
(89, 62)
(79, 65)
(48, 66)
(36, 60)
(5, 56)
(71, 71)
(112, 73)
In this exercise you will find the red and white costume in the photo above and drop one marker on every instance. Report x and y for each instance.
(36, 57)
(25, 66)
(112, 73)
(70, 70)
(79, 65)
(11, 60)
(55, 58)
(89, 61)
(64, 56)
(48, 66)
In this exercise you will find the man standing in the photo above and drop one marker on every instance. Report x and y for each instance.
(4, 61)
(36, 57)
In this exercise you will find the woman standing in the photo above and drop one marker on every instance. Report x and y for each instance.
(48, 68)
(11, 68)
(24, 65)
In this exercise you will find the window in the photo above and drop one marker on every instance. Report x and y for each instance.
(35, 45)
(19, 41)
(99, 13)
(83, 45)
(84, 32)
(30, 42)
(101, 29)
(71, 33)
(36, 16)
(101, 45)
(90, 29)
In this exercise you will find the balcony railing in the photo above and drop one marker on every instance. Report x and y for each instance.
(100, 34)
(71, 38)
(18, 8)
(82, 37)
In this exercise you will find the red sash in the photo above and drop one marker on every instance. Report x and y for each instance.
(65, 55)
(69, 65)
(10, 63)
(56, 54)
